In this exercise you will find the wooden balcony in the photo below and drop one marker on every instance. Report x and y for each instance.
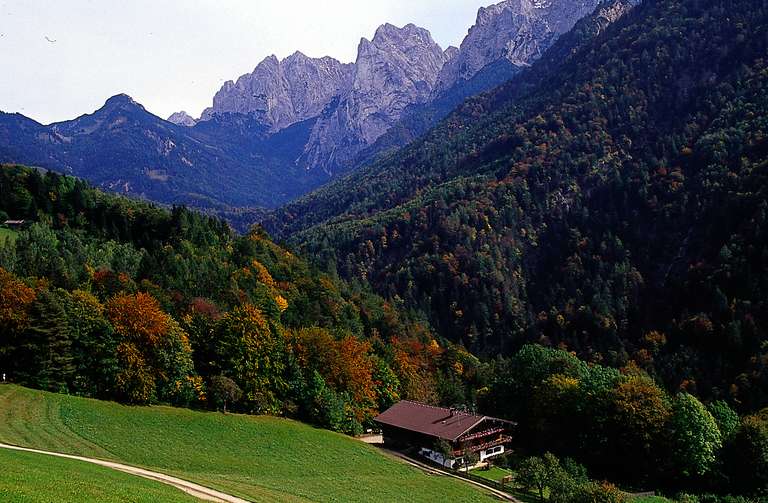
(481, 434)
(503, 439)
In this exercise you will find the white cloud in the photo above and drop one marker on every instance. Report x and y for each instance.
(174, 54)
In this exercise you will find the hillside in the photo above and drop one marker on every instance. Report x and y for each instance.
(258, 458)
(32, 478)
(107, 297)
(611, 195)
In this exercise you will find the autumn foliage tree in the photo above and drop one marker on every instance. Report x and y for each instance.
(345, 364)
(415, 364)
(154, 352)
(252, 351)
(15, 301)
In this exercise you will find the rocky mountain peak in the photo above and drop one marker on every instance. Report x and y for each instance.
(280, 93)
(349, 106)
(296, 56)
(451, 52)
(395, 69)
(398, 56)
(182, 119)
(516, 30)
(120, 101)
(391, 34)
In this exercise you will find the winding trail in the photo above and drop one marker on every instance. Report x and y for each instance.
(196, 490)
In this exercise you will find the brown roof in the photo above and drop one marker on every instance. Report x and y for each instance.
(448, 424)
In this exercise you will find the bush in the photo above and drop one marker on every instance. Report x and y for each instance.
(599, 492)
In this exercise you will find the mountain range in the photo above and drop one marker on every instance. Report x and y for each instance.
(563, 222)
(292, 125)
(610, 198)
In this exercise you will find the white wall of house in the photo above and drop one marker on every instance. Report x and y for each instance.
(438, 458)
(493, 451)
(453, 462)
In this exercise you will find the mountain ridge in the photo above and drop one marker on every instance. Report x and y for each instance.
(273, 135)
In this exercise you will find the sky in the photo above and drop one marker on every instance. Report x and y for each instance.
(63, 58)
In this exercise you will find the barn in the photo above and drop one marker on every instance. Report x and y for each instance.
(443, 435)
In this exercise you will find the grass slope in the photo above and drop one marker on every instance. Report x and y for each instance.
(258, 458)
(7, 234)
(35, 478)
(494, 474)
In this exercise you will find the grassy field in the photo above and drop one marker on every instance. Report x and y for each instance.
(257, 458)
(494, 473)
(7, 234)
(34, 478)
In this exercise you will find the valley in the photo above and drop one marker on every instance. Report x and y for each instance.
(536, 260)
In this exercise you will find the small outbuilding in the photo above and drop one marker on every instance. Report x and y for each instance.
(423, 428)
(15, 224)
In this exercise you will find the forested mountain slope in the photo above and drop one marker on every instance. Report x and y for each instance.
(106, 297)
(612, 198)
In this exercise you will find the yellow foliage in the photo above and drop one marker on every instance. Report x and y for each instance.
(262, 274)
(563, 383)
(194, 382)
(15, 298)
(655, 339)
(642, 406)
(134, 381)
(282, 304)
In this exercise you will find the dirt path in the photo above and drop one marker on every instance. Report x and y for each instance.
(190, 488)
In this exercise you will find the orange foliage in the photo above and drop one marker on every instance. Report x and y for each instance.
(262, 274)
(415, 364)
(15, 299)
(345, 365)
(138, 317)
(282, 304)
(655, 340)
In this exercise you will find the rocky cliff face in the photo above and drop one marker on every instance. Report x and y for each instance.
(182, 119)
(348, 107)
(281, 93)
(516, 30)
(610, 12)
(394, 70)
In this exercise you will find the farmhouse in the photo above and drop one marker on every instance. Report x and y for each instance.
(412, 425)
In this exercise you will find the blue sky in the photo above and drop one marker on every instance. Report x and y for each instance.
(63, 58)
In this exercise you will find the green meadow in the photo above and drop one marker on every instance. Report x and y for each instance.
(34, 478)
(258, 458)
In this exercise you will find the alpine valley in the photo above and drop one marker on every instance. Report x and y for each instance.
(558, 229)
